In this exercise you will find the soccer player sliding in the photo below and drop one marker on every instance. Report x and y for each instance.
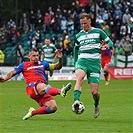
(37, 89)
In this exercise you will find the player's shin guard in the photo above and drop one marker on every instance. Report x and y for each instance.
(42, 110)
(52, 91)
(77, 94)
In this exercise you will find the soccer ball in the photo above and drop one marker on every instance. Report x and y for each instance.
(78, 107)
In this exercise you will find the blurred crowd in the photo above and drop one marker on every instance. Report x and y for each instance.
(115, 19)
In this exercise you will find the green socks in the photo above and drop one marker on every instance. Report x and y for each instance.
(96, 101)
(77, 95)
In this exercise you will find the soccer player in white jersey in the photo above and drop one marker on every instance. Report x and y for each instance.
(88, 62)
(48, 55)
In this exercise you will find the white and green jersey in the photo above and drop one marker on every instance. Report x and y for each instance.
(49, 52)
(89, 43)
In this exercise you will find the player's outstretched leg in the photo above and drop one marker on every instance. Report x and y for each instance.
(65, 89)
(29, 114)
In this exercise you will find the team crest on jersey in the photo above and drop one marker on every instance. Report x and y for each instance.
(39, 62)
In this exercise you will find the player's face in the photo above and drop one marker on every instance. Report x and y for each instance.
(86, 24)
(47, 42)
(34, 56)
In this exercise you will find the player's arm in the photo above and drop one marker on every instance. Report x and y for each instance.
(58, 65)
(112, 52)
(8, 76)
(110, 43)
(42, 55)
(76, 49)
(106, 39)
(54, 57)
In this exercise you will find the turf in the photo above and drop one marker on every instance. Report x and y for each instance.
(115, 114)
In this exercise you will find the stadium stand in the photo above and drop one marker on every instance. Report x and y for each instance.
(113, 18)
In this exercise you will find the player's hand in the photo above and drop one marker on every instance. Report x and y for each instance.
(52, 61)
(105, 46)
(59, 53)
(1, 79)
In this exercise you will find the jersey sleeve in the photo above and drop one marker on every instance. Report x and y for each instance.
(76, 43)
(19, 68)
(106, 38)
(55, 49)
(46, 65)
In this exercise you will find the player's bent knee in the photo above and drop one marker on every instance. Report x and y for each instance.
(95, 93)
(53, 109)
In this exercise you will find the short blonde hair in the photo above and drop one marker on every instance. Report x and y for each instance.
(85, 15)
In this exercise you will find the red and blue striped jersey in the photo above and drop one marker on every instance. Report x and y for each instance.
(33, 71)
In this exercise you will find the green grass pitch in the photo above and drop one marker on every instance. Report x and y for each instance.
(115, 110)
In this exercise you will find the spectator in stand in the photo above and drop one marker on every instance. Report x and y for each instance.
(39, 22)
(33, 43)
(14, 38)
(50, 10)
(126, 17)
(63, 24)
(99, 19)
(98, 25)
(119, 50)
(130, 23)
(38, 14)
(73, 7)
(61, 47)
(110, 9)
(110, 22)
(125, 30)
(117, 24)
(77, 7)
(65, 13)
(11, 23)
(76, 22)
(58, 12)
(58, 17)
(32, 20)
(24, 23)
(69, 48)
(66, 41)
(92, 9)
(70, 26)
(2, 56)
(20, 54)
(93, 20)
(117, 12)
(103, 4)
(106, 28)
(127, 47)
(64, 34)
(53, 22)
(105, 15)
(122, 41)
(30, 35)
(116, 43)
(3, 42)
(113, 37)
(47, 22)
